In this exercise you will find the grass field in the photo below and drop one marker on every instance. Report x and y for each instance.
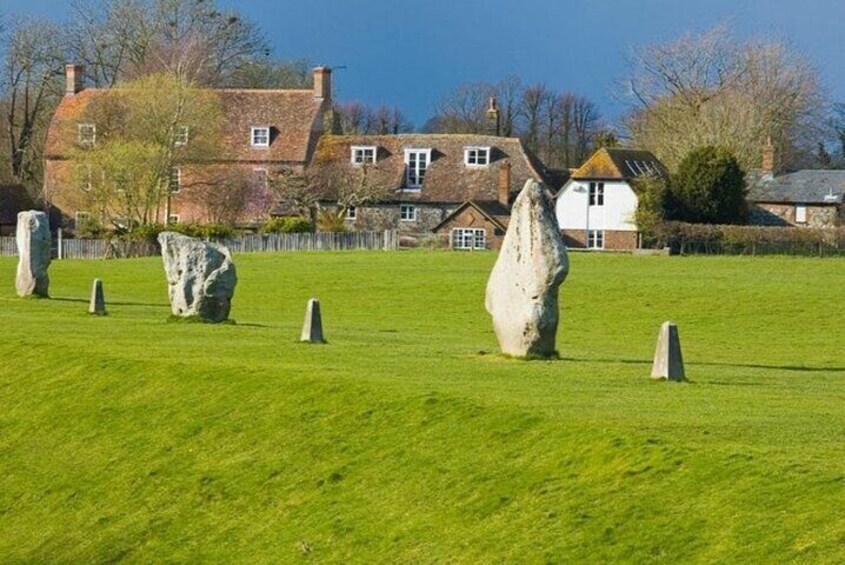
(407, 438)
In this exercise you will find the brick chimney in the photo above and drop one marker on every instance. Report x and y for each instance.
(73, 79)
(504, 191)
(768, 167)
(323, 83)
(493, 121)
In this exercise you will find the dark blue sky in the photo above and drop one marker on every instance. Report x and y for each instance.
(411, 53)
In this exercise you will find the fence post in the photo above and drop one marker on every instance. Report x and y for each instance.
(59, 250)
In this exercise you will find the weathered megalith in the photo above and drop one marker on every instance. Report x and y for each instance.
(312, 329)
(34, 248)
(668, 361)
(523, 287)
(97, 304)
(201, 277)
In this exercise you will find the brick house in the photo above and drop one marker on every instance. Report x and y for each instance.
(457, 185)
(596, 207)
(808, 197)
(263, 132)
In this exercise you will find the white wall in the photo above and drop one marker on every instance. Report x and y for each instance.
(617, 214)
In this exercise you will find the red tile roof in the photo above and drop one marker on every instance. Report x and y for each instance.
(294, 116)
(447, 179)
(619, 164)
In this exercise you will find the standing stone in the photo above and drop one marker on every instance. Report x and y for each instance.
(523, 287)
(34, 252)
(97, 304)
(668, 361)
(201, 277)
(312, 329)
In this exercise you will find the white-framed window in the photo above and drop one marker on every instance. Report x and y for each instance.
(259, 178)
(259, 136)
(476, 156)
(172, 219)
(800, 213)
(363, 154)
(596, 194)
(595, 239)
(469, 238)
(351, 212)
(416, 164)
(175, 179)
(86, 134)
(407, 213)
(80, 218)
(83, 177)
(180, 136)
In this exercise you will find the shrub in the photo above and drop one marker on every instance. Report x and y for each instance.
(287, 225)
(710, 187)
(332, 220)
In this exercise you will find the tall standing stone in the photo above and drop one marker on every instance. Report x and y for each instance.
(34, 254)
(201, 277)
(522, 293)
(97, 304)
(312, 329)
(668, 361)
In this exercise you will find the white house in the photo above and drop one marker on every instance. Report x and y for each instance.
(595, 208)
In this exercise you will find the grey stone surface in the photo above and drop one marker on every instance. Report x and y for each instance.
(34, 248)
(668, 361)
(522, 292)
(312, 329)
(201, 277)
(97, 304)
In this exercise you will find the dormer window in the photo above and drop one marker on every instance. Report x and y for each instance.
(86, 134)
(180, 136)
(416, 164)
(260, 136)
(476, 156)
(363, 154)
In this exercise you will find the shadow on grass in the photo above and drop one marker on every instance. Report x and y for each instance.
(111, 302)
(793, 368)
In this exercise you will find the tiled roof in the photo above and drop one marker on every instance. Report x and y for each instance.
(493, 210)
(294, 116)
(806, 187)
(447, 179)
(619, 164)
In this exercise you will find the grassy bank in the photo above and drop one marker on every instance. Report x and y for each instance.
(407, 438)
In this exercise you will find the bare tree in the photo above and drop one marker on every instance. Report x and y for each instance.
(33, 62)
(357, 118)
(126, 39)
(710, 89)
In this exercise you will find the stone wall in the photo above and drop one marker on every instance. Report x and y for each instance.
(386, 216)
(783, 214)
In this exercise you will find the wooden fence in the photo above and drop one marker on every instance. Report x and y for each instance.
(287, 242)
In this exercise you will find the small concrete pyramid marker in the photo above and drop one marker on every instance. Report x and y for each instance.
(668, 361)
(97, 305)
(312, 329)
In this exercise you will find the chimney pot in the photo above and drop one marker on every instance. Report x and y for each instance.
(73, 79)
(768, 167)
(493, 121)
